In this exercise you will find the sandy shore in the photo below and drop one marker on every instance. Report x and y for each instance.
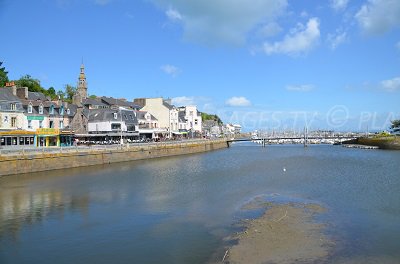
(286, 233)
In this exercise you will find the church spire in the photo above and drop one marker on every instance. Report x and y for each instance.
(82, 84)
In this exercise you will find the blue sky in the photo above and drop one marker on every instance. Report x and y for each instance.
(266, 64)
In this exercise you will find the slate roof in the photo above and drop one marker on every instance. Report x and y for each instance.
(101, 115)
(7, 95)
(167, 105)
(141, 115)
(7, 98)
(37, 96)
(72, 109)
(114, 101)
(90, 101)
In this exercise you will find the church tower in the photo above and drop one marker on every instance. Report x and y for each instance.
(82, 84)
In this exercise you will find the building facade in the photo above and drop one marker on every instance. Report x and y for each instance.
(160, 108)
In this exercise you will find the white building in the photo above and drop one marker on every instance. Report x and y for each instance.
(190, 118)
(112, 121)
(233, 129)
(160, 108)
(11, 111)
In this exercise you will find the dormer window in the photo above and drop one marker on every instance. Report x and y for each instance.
(13, 106)
(62, 110)
(30, 108)
(115, 115)
(68, 111)
(41, 109)
(51, 111)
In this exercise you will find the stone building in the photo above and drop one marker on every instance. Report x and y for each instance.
(80, 121)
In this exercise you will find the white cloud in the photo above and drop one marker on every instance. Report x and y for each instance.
(379, 16)
(391, 85)
(173, 14)
(304, 14)
(183, 101)
(171, 70)
(224, 21)
(300, 39)
(339, 4)
(238, 101)
(300, 88)
(269, 30)
(336, 39)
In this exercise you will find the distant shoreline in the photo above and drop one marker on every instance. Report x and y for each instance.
(390, 142)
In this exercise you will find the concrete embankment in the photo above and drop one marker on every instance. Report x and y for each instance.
(381, 142)
(24, 162)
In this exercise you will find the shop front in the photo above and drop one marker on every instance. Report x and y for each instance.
(66, 138)
(48, 137)
(16, 138)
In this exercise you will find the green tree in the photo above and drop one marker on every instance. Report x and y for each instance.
(52, 93)
(69, 92)
(61, 95)
(205, 116)
(3, 75)
(32, 84)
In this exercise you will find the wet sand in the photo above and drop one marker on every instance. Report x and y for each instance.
(285, 233)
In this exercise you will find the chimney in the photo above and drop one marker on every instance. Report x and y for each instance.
(12, 89)
(22, 93)
(140, 101)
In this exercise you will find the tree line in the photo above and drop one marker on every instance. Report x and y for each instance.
(34, 85)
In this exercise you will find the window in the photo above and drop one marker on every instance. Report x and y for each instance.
(29, 108)
(115, 115)
(115, 126)
(125, 116)
(51, 124)
(62, 110)
(13, 106)
(13, 121)
(41, 109)
(195, 121)
(68, 111)
(61, 125)
(131, 117)
(40, 123)
(51, 111)
(29, 123)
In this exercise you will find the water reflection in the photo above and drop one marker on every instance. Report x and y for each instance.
(179, 209)
(20, 207)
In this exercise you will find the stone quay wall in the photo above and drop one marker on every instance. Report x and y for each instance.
(36, 161)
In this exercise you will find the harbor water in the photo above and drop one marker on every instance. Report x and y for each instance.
(182, 209)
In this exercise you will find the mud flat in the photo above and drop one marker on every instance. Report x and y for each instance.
(285, 233)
